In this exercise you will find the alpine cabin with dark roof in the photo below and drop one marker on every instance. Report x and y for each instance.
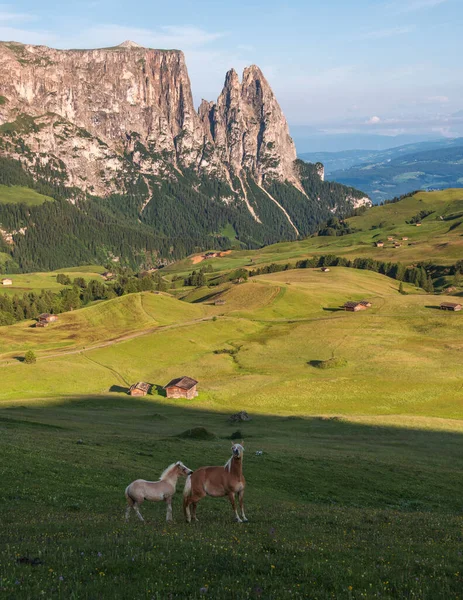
(183, 387)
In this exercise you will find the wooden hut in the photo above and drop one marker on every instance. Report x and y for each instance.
(404, 238)
(219, 302)
(354, 306)
(139, 389)
(451, 306)
(47, 318)
(379, 244)
(325, 269)
(183, 387)
(390, 238)
(417, 224)
(7, 281)
(365, 303)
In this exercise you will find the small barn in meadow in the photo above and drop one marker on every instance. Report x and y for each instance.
(7, 281)
(139, 389)
(182, 387)
(354, 306)
(365, 303)
(404, 238)
(47, 318)
(390, 238)
(219, 302)
(379, 244)
(325, 269)
(454, 306)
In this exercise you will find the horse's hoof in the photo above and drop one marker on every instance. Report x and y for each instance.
(245, 520)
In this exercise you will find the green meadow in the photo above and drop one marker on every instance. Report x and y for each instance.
(15, 194)
(357, 421)
(36, 282)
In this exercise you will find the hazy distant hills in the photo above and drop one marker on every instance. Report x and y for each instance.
(396, 171)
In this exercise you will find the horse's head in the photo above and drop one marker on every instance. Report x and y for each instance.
(237, 450)
(182, 469)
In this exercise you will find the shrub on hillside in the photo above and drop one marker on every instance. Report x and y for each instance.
(30, 358)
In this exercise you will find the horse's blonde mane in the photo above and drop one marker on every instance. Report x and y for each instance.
(227, 465)
(166, 471)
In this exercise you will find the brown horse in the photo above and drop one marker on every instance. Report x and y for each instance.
(216, 482)
(140, 490)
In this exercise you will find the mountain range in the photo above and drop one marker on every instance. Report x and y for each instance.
(112, 136)
(396, 171)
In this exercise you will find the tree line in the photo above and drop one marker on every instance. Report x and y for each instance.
(79, 293)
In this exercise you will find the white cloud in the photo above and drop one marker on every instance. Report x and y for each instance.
(180, 37)
(6, 16)
(436, 100)
(387, 33)
(407, 6)
(373, 121)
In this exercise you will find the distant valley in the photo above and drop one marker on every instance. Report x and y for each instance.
(390, 173)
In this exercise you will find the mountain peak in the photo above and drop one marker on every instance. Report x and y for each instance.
(129, 44)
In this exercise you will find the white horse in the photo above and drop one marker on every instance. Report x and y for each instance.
(140, 490)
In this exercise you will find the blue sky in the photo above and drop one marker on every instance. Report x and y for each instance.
(361, 66)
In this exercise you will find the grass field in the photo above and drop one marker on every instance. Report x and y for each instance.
(357, 493)
(36, 282)
(15, 194)
(337, 508)
(438, 241)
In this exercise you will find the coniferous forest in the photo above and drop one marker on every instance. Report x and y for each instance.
(184, 215)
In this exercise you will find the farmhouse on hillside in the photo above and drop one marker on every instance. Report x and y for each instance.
(404, 238)
(325, 269)
(183, 387)
(451, 306)
(139, 389)
(7, 281)
(390, 238)
(379, 244)
(356, 306)
(365, 303)
(45, 319)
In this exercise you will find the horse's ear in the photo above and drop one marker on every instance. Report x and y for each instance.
(242, 443)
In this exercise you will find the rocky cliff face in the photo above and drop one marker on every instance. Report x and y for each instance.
(101, 119)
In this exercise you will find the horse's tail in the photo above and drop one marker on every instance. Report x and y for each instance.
(187, 488)
(186, 495)
(130, 500)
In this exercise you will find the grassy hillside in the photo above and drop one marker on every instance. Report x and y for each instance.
(16, 194)
(400, 357)
(439, 241)
(357, 492)
(36, 282)
(337, 508)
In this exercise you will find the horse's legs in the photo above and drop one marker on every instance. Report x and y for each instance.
(231, 497)
(137, 510)
(241, 499)
(193, 501)
(127, 512)
(169, 508)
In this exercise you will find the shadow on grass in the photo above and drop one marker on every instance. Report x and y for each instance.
(334, 309)
(326, 460)
(435, 307)
(315, 363)
(118, 389)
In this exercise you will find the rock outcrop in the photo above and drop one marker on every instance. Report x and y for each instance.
(101, 118)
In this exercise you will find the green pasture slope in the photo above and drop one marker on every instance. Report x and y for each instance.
(36, 282)
(439, 241)
(16, 194)
(357, 493)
